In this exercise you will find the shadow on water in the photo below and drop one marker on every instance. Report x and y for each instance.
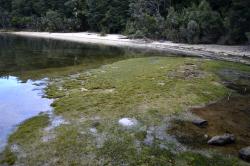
(228, 115)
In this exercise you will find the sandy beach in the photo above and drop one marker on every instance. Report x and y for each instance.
(222, 52)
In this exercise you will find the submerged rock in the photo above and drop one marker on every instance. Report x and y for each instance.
(15, 148)
(245, 154)
(236, 80)
(161, 84)
(128, 122)
(48, 138)
(93, 130)
(200, 122)
(222, 139)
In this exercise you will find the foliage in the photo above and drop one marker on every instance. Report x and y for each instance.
(52, 21)
(238, 21)
(206, 21)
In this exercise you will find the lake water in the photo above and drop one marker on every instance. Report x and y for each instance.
(26, 65)
(19, 101)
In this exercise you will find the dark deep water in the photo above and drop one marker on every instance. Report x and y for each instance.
(27, 63)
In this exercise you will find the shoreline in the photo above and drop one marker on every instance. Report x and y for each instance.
(240, 54)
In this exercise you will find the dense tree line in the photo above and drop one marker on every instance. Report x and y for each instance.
(191, 21)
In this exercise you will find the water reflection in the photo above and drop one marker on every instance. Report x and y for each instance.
(19, 101)
(27, 59)
(19, 54)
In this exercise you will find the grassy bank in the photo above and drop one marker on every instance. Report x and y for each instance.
(92, 102)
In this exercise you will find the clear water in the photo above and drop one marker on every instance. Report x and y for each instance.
(28, 64)
(19, 101)
(25, 62)
(19, 55)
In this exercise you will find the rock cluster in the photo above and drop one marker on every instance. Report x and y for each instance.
(216, 140)
(222, 140)
(245, 154)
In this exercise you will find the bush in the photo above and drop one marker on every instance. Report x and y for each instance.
(211, 25)
(172, 19)
(172, 34)
(139, 34)
(130, 28)
(248, 36)
(52, 21)
(192, 21)
(4, 19)
(193, 32)
(238, 21)
(203, 24)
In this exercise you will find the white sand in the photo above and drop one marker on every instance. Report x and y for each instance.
(231, 53)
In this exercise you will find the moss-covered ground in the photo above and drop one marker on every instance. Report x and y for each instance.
(147, 89)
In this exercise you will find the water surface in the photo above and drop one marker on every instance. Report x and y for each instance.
(19, 101)
(26, 62)
(228, 115)
(20, 55)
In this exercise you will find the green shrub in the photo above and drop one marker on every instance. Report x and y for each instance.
(193, 32)
(248, 36)
(52, 21)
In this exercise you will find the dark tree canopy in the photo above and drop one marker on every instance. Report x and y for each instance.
(191, 21)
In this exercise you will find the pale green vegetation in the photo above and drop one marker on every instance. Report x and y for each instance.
(92, 102)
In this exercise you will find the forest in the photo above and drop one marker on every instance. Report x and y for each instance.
(187, 21)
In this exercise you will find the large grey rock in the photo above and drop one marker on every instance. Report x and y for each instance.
(222, 139)
(245, 154)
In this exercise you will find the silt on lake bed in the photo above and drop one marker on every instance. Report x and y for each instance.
(97, 88)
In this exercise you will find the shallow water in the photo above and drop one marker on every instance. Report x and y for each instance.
(19, 101)
(25, 62)
(20, 55)
(228, 115)
(225, 116)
